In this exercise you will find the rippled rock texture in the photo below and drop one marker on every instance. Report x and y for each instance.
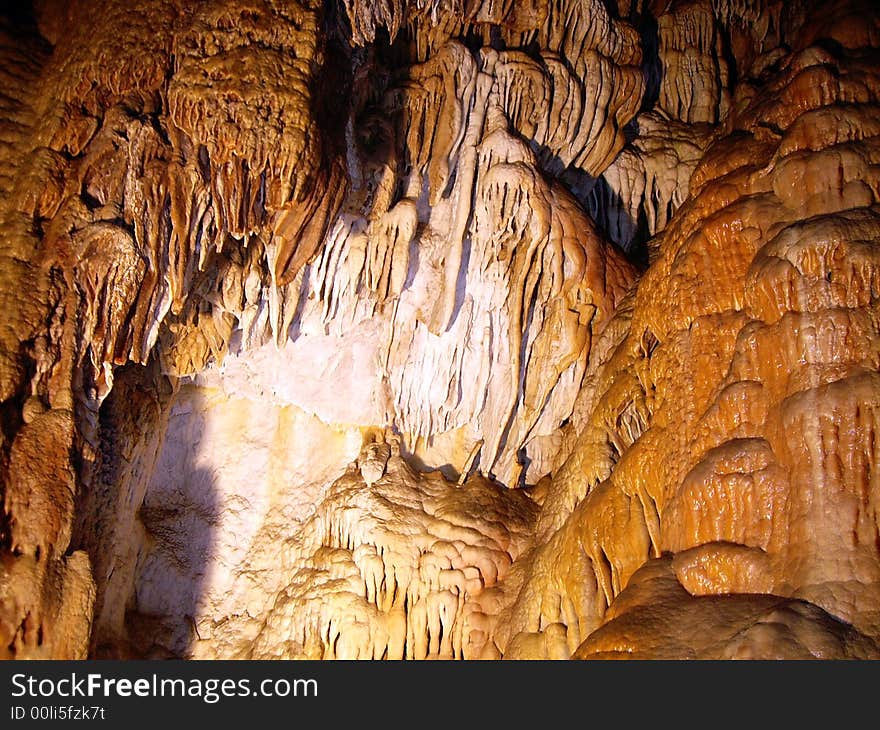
(377, 329)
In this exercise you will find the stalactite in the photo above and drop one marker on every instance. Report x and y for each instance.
(453, 330)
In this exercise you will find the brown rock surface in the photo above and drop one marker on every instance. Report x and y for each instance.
(736, 410)
(456, 330)
(656, 618)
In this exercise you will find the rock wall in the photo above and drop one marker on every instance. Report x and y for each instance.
(383, 330)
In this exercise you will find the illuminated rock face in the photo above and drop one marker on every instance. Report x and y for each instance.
(389, 330)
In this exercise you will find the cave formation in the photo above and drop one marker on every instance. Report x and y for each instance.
(460, 329)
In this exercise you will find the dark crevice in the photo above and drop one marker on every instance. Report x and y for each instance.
(652, 68)
(733, 73)
(19, 14)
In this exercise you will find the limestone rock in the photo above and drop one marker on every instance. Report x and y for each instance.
(396, 569)
(734, 417)
(439, 329)
(657, 619)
